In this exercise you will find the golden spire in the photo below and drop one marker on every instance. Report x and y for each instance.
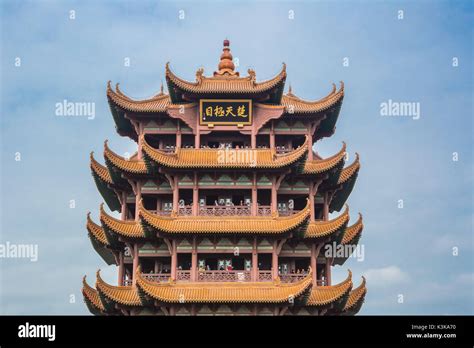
(226, 65)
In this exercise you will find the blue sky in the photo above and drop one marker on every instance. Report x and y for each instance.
(408, 251)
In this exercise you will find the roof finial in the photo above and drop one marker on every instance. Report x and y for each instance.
(226, 65)
(290, 91)
(161, 88)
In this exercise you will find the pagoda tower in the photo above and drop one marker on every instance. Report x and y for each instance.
(224, 208)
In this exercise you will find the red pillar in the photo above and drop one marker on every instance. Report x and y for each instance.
(272, 136)
(274, 195)
(174, 260)
(175, 195)
(197, 136)
(194, 261)
(328, 271)
(254, 275)
(253, 138)
(314, 263)
(195, 195)
(140, 145)
(274, 260)
(326, 207)
(310, 143)
(138, 197)
(123, 209)
(178, 136)
(254, 194)
(121, 268)
(135, 263)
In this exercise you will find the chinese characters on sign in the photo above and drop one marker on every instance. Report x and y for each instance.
(225, 112)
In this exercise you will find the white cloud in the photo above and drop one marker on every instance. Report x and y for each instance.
(381, 277)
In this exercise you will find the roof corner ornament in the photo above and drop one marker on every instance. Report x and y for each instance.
(199, 75)
(253, 76)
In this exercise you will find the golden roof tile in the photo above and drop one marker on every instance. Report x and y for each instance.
(356, 295)
(129, 229)
(158, 103)
(101, 171)
(91, 295)
(231, 83)
(295, 105)
(125, 295)
(96, 231)
(352, 231)
(224, 224)
(226, 292)
(324, 165)
(224, 158)
(325, 295)
(349, 171)
(320, 229)
(129, 166)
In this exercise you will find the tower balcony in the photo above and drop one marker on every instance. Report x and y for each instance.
(225, 276)
(236, 210)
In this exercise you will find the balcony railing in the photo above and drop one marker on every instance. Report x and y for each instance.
(264, 210)
(210, 276)
(215, 210)
(265, 276)
(225, 276)
(185, 210)
(292, 278)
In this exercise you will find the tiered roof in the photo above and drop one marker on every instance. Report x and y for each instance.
(124, 295)
(351, 237)
(119, 163)
(321, 166)
(184, 158)
(99, 241)
(356, 299)
(261, 225)
(297, 106)
(328, 229)
(325, 295)
(224, 83)
(344, 185)
(232, 292)
(115, 178)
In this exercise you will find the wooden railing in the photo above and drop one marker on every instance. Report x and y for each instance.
(282, 150)
(183, 275)
(292, 278)
(185, 210)
(264, 210)
(286, 212)
(156, 277)
(224, 276)
(218, 210)
(265, 276)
